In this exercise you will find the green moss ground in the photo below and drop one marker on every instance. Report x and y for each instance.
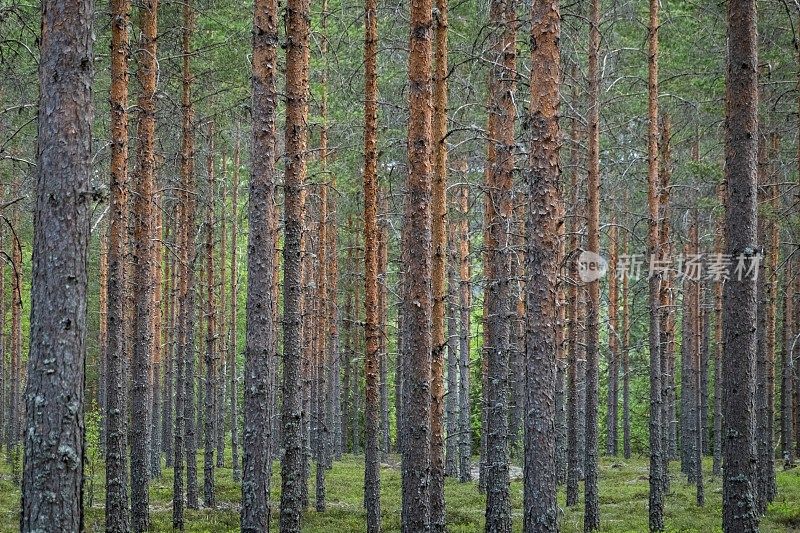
(623, 501)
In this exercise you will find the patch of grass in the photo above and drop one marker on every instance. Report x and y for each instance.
(623, 502)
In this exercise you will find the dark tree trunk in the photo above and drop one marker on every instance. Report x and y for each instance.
(465, 304)
(544, 219)
(260, 334)
(209, 432)
(156, 326)
(592, 505)
(438, 264)
(626, 363)
(117, 515)
(296, 136)
(170, 292)
(452, 398)
(739, 302)
(141, 369)
(417, 342)
(54, 433)
(719, 248)
(372, 479)
(787, 368)
(233, 415)
(612, 447)
(498, 179)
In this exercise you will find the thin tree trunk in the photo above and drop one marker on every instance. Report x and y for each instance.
(465, 305)
(167, 417)
(54, 436)
(13, 431)
(626, 363)
(209, 432)
(233, 420)
(144, 233)
(296, 136)
(656, 499)
(222, 328)
(719, 248)
(452, 398)
(322, 345)
(612, 447)
(383, 313)
(102, 338)
(185, 292)
(438, 264)
(417, 342)
(699, 319)
(591, 519)
(544, 218)
(739, 302)
(787, 369)
(116, 504)
(156, 327)
(372, 480)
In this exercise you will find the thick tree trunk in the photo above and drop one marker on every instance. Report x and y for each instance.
(417, 342)
(116, 504)
(141, 369)
(296, 136)
(739, 302)
(372, 480)
(499, 178)
(438, 265)
(544, 219)
(260, 334)
(656, 499)
(54, 432)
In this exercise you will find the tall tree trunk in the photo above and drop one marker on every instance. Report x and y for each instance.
(156, 328)
(222, 328)
(499, 178)
(102, 337)
(465, 305)
(544, 218)
(787, 369)
(739, 302)
(116, 504)
(452, 398)
(322, 345)
(260, 331)
(185, 291)
(296, 137)
(719, 248)
(626, 362)
(233, 420)
(772, 241)
(573, 297)
(13, 431)
(612, 447)
(209, 433)
(592, 506)
(688, 380)
(699, 318)
(54, 432)
(417, 342)
(438, 264)
(168, 388)
(141, 369)
(656, 499)
(372, 480)
(383, 320)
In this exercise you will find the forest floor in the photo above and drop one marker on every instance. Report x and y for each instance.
(623, 502)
